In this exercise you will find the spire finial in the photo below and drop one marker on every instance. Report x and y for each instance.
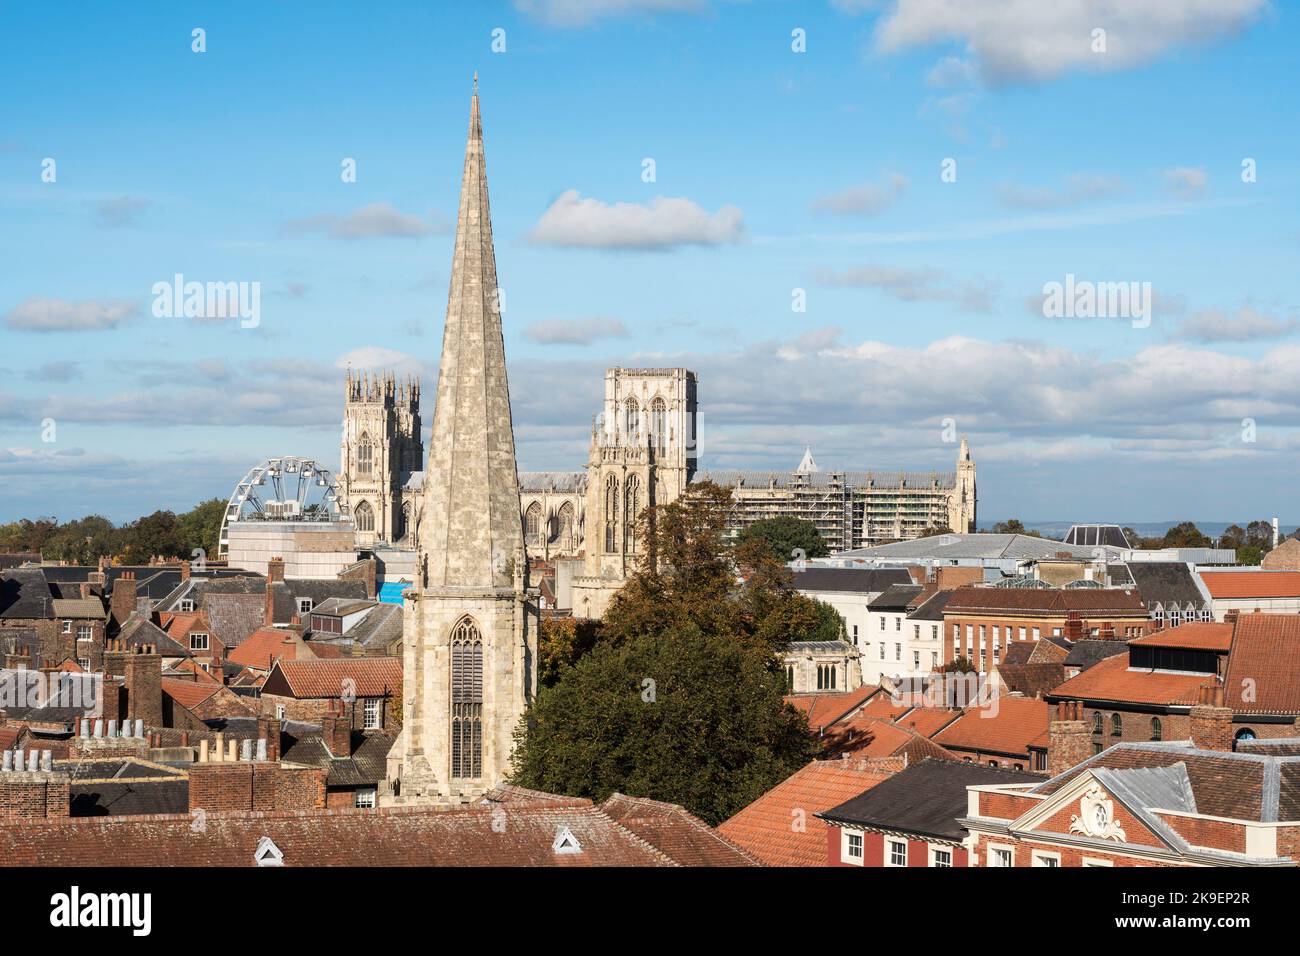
(476, 82)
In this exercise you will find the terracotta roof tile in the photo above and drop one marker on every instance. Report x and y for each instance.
(1007, 728)
(371, 676)
(1251, 584)
(764, 827)
(825, 709)
(1050, 601)
(188, 693)
(1112, 680)
(669, 828)
(264, 647)
(1199, 635)
(1265, 659)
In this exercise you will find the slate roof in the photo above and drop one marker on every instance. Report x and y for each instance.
(850, 580)
(365, 766)
(931, 609)
(1084, 653)
(539, 481)
(24, 593)
(124, 787)
(926, 799)
(764, 827)
(140, 630)
(1165, 583)
(1031, 680)
(897, 597)
(974, 546)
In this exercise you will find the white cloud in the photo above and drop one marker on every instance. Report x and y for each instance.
(581, 13)
(665, 223)
(912, 285)
(1247, 325)
(38, 314)
(574, 331)
(1187, 182)
(867, 200)
(377, 220)
(1016, 41)
(1080, 188)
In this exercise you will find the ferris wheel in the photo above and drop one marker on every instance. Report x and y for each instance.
(283, 489)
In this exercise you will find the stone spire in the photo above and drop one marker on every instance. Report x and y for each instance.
(808, 465)
(471, 534)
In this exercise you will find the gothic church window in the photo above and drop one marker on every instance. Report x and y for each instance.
(611, 513)
(466, 701)
(565, 535)
(365, 456)
(633, 418)
(364, 516)
(659, 422)
(533, 524)
(631, 501)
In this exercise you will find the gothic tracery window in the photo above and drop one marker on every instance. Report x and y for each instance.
(631, 500)
(659, 422)
(566, 526)
(466, 700)
(533, 524)
(633, 418)
(364, 516)
(611, 514)
(365, 456)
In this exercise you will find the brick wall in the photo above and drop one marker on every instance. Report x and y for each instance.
(254, 785)
(314, 710)
(33, 795)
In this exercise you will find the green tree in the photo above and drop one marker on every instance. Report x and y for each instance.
(1014, 526)
(1185, 535)
(674, 715)
(961, 665)
(934, 530)
(786, 538)
(155, 535)
(84, 541)
(200, 527)
(561, 642)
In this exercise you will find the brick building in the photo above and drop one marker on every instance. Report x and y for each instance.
(307, 690)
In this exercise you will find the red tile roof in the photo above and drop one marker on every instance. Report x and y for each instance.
(1111, 680)
(1263, 675)
(927, 721)
(188, 693)
(1199, 635)
(370, 677)
(825, 709)
(669, 828)
(766, 827)
(264, 647)
(1006, 726)
(1252, 584)
(1050, 602)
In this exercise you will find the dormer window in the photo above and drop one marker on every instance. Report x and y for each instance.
(186, 605)
(565, 842)
(305, 604)
(198, 641)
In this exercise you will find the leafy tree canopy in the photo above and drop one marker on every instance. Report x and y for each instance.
(786, 538)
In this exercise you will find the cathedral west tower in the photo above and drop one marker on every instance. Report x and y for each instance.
(470, 619)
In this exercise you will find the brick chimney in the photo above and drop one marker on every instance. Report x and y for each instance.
(30, 787)
(1073, 626)
(274, 576)
(1211, 721)
(122, 601)
(185, 570)
(1068, 741)
(143, 680)
(336, 727)
(115, 657)
(268, 729)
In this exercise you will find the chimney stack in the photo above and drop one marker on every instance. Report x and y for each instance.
(1068, 741)
(1211, 721)
(337, 730)
(274, 576)
(143, 682)
(122, 601)
(1073, 626)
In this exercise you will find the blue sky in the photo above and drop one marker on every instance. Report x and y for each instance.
(775, 170)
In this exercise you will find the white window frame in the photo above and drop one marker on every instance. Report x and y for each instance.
(1040, 855)
(67, 627)
(932, 853)
(365, 799)
(305, 605)
(207, 641)
(372, 708)
(1094, 861)
(890, 843)
(185, 605)
(996, 848)
(846, 845)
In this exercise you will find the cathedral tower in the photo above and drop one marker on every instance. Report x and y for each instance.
(470, 620)
(381, 449)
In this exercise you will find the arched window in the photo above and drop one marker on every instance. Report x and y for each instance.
(565, 537)
(1116, 726)
(466, 701)
(611, 514)
(1097, 725)
(632, 418)
(631, 501)
(405, 529)
(1157, 731)
(364, 516)
(659, 422)
(365, 456)
(533, 524)
(1244, 734)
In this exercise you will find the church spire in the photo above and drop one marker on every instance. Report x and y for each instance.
(472, 534)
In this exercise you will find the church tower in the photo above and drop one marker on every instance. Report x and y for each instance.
(380, 450)
(961, 505)
(470, 620)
